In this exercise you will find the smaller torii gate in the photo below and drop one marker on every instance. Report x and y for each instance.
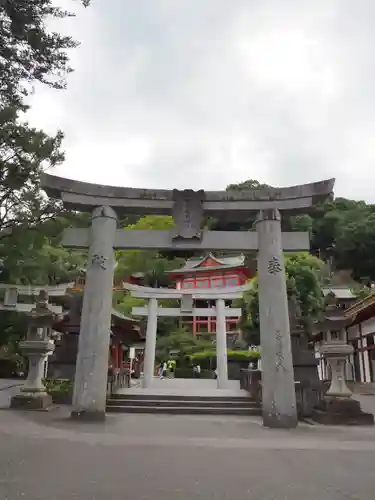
(187, 297)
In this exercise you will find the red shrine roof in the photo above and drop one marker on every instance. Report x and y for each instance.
(211, 263)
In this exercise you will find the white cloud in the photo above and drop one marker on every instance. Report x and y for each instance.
(203, 93)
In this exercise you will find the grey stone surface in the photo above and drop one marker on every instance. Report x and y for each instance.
(187, 387)
(83, 195)
(31, 401)
(145, 292)
(187, 213)
(92, 359)
(221, 345)
(149, 359)
(278, 393)
(142, 457)
(163, 240)
(37, 352)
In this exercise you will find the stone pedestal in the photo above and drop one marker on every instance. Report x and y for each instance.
(309, 388)
(90, 384)
(149, 359)
(336, 354)
(33, 394)
(221, 345)
(278, 392)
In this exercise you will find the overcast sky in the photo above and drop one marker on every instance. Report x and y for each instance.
(203, 93)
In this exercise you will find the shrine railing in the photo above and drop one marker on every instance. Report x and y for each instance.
(118, 378)
(251, 381)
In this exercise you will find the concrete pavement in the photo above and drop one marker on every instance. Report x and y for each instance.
(45, 456)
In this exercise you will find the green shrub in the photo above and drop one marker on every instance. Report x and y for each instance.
(61, 385)
(188, 373)
(232, 356)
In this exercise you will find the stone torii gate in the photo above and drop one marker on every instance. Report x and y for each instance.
(152, 311)
(188, 208)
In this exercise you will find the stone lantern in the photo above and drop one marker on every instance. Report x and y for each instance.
(37, 347)
(338, 406)
(334, 347)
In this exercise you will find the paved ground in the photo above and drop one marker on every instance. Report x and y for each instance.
(45, 456)
(187, 387)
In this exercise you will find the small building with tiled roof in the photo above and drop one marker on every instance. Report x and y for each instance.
(342, 294)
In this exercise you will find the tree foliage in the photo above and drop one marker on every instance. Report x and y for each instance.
(342, 231)
(182, 341)
(303, 279)
(24, 153)
(29, 52)
(154, 266)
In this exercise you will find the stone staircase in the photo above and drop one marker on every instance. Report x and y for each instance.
(182, 405)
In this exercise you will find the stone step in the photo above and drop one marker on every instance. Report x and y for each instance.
(178, 397)
(185, 410)
(152, 401)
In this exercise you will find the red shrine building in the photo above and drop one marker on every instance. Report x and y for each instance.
(211, 272)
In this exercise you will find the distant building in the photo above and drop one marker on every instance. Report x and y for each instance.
(342, 294)
(210, 272)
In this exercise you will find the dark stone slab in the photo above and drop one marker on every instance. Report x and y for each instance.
(88, 416)
(279, 421)
(62, 398)
(341, 411)
(38, 401)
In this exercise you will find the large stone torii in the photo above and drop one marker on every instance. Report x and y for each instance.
(187, 208)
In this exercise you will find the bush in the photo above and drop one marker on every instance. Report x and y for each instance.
(9, 368)
(58, 385)
(245, 356)
(188, 373)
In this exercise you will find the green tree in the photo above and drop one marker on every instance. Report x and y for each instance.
(35, 255)
(182, 341)
(250, 184)
(154, 265)
(24, 153)
(303, 279)
(29, 52)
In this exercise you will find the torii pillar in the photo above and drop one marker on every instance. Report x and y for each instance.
(90, 382)
(278, 391)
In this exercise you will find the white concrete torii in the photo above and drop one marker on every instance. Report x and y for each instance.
(187, 297)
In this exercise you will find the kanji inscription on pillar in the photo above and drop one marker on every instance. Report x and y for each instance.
(99, 260)
(279, 352)
(274, 266)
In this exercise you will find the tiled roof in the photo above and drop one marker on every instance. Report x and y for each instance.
(223, 263)
(343, 293)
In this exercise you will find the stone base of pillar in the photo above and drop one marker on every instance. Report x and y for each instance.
(280, 421)
(341, 411)
(88, 416)
(31, 401)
